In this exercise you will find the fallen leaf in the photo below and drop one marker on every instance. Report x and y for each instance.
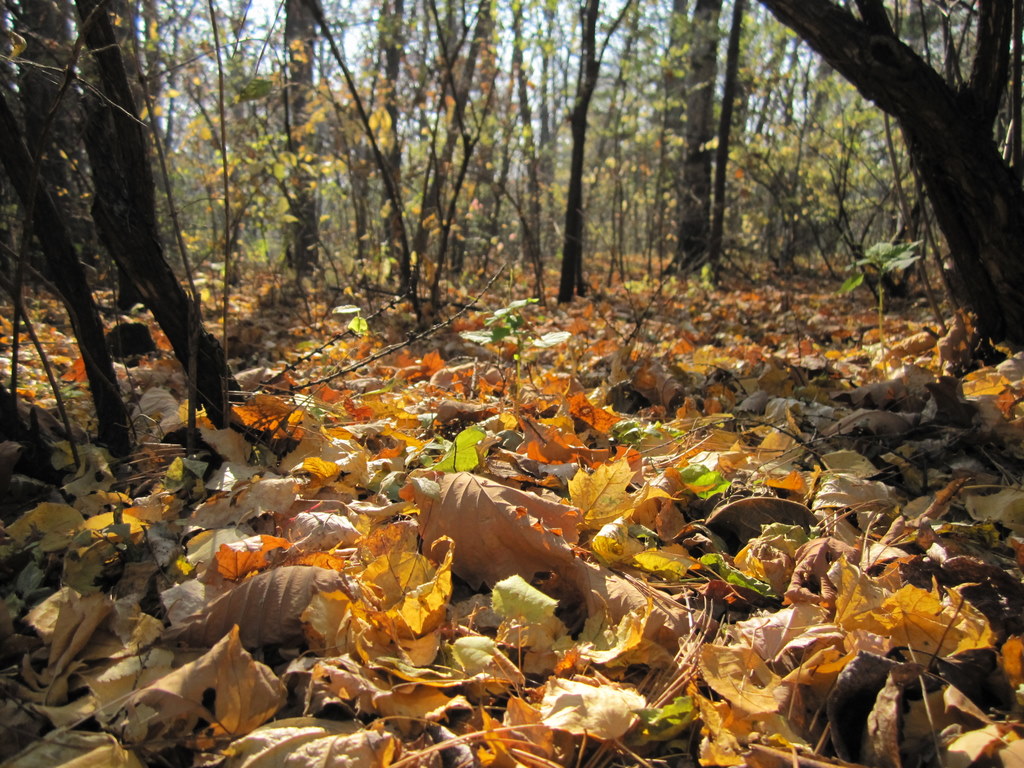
(266, 609)
(224, 688)
(605, 711)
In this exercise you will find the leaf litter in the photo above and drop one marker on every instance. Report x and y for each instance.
(747, 533)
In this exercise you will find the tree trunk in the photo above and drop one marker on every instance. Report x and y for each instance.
(69, 277)
(694, 191)
(436, 213)
(391, 36)
(571, 282)
(732, 63)
(977, 199)
(531, 223)
(125, 214)
(299, 35)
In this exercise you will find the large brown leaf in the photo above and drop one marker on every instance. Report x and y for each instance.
(266, 608)
(498, 531)
(224, 687)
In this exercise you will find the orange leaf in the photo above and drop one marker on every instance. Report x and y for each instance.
(794, 481)
(597, 418)
(269, 414)
(76, 372)
(240, 558)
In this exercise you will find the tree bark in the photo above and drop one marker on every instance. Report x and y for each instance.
(304, 235)
(125, 213)
(69, 277)
(977, 200)
(571, 282)
(694, 190)
(531, 222)
(732, 63)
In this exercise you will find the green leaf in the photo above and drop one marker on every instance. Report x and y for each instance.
(901, 263)
(478, 337)
(888, 257)
(346, 309)
(851, 282)
(474, 654)
(462, 456)
(256, 88)
(734, 576)
(667, 722)
(513, 308)
(552, 339)
(359, 326)
(516, 598)
(703, 481)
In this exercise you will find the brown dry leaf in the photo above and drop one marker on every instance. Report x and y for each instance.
(497, 531)
(549, 445)
(267, 609)
(813, 581)
(249, 499)
(656, 384)
(225, 687)
(741, 676)
(790, 635)
(881, 744)
(743, 519)
(74, 749)
(606, 593)
(68, 621)
(309, 742)
(418, 702)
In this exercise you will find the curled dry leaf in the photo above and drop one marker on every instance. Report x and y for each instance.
(743, 519)
(74, 749)
(303, 742)
(498, 531)
(224, 687)
(810, 582)
(266, 608)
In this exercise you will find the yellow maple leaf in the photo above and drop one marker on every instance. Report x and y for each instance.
(922, 621)
(602, 496)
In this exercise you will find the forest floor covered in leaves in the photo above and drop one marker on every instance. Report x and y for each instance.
(741, 525)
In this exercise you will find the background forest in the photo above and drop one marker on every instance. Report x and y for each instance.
(411, 146)
(424, 382)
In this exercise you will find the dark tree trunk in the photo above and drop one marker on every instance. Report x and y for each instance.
(977, 199)
(69, 277)
(459, 79)
(299, 35)
(392, 43)
(694, 191)
(572, 282)
(732, 65)
(531, 222)
(125, 214)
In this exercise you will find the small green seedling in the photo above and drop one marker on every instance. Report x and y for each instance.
(510, 323)
(883, 258)
(357, 324)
